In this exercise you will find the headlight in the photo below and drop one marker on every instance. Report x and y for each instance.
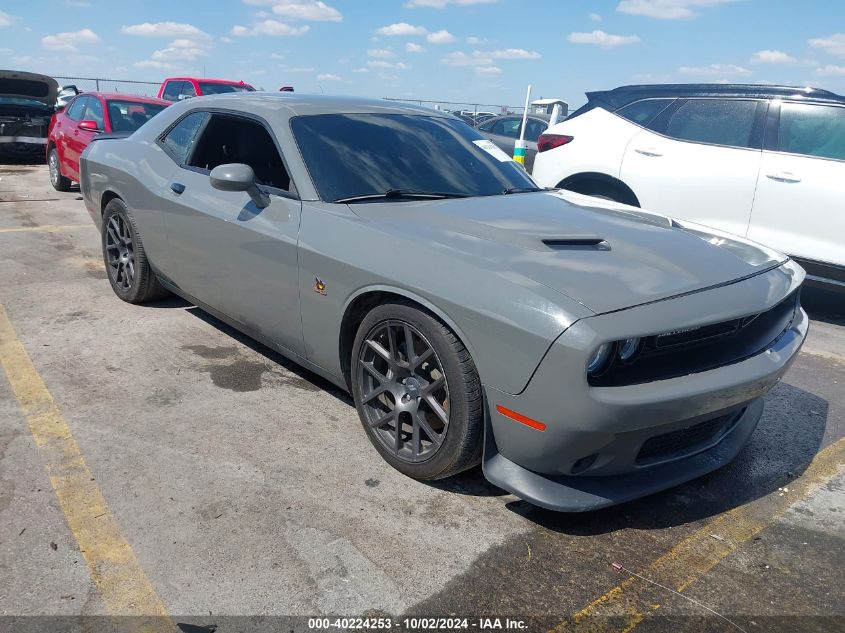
(628, 349)
(600, 359)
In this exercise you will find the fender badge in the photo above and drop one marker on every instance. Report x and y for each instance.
(319, 286)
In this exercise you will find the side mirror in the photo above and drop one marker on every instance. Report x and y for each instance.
(238, 177)
(60, 107)
(91, 126)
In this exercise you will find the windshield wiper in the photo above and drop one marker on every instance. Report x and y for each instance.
(511, 190)
(402, 194)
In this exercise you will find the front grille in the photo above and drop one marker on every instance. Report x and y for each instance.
(688, 441)
(687, 351)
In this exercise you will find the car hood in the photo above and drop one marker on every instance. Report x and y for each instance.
(602, 254)
(14, 83)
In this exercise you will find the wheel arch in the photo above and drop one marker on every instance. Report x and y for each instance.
(361, 302)
(594, 178)
(108, 196)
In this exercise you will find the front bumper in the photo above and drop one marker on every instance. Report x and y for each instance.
(606, 445)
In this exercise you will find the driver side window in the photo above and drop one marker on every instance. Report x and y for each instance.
(234, 139)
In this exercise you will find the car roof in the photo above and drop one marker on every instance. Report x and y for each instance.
(208, 81)
(108, 96)
(531, 115)
(623, 95)
(297, 103)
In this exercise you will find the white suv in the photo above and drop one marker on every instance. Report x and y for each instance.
(764, 162)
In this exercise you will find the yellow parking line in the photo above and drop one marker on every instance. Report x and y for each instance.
(696, 555)
(114, 568)
(47, 228)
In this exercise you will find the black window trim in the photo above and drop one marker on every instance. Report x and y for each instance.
(773, 129)
(756, 139)
(293, 194)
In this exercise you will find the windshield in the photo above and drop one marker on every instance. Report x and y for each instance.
(210, 88)
(128, 116)
(353, 155)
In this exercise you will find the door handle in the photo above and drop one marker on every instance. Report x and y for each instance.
(648, 151)
(177, 187)
(784, 176)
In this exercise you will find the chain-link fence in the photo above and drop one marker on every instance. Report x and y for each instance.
(101, 84)
(465, 107)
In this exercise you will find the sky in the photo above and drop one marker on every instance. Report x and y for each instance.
(485, 51)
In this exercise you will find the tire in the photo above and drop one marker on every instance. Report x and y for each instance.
(128, 269)
(430, 447)
(59, 182)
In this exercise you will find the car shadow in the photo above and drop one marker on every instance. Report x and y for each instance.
(174, 302)
(785, 442)
(823, 305)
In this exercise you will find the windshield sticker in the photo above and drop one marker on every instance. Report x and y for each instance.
(491, 148)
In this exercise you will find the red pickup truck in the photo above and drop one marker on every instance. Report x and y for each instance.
(178, 88)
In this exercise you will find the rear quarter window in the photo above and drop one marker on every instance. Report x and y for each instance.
(643, 112)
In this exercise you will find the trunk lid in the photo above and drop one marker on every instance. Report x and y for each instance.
(23, 85)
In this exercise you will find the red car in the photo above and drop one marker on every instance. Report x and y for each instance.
(85, 116)
(178, 88)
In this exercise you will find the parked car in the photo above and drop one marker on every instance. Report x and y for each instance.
(66, 94)
(178, 88)
(85, 116)
(590, 353)
(763, 162)
(27, 102)
(504, 132)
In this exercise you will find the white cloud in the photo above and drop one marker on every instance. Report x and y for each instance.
(476, 40)
(513, 53)
(164, 29)
(79, 4)
(381, 53)
(667, 9)
(383, 64)
(308, 11)
(725, 70)
(149, 63)
(768, 56)
(833, 44)
(360, 70)
(605, 40)
(461, 59)
(440, 37)
(831, 71)
(269, 27)
(299, 69)
(329, 77)
(488, 70)
(386, 76)
(6, 19)
(595, 17)
(181, 50)
(70, 40)
(442, 4)
(401, 28)
(226, 40)
(276, 56)
(413, 47)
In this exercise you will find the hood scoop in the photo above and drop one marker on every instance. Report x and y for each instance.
(577, 244)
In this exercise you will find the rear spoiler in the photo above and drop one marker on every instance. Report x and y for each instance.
(105, 136)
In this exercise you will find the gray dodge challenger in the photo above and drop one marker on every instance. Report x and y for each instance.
(587, 353)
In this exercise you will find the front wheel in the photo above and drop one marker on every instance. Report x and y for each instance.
(417, 392)
(59, 182)
(126, 262)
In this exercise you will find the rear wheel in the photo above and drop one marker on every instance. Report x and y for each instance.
(59, 182)
(417, 392)
(129, 272)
